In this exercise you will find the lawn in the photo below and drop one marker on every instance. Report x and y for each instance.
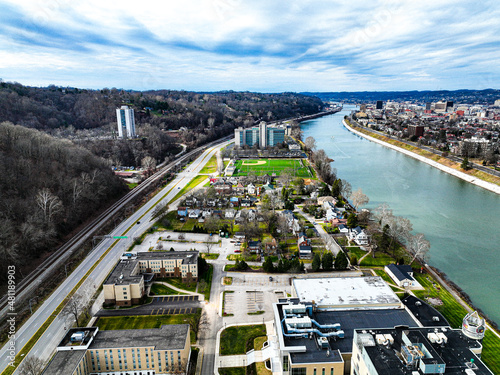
(211, 166)
(491, 348)
(143, 322)
(269, 166)
(452, 310)
(381, 259)
(240, 339)
(232, 370)
(258, 342)
(160, 289)
(206, 286)
(210, 256)
(386, 277)
(177, 282)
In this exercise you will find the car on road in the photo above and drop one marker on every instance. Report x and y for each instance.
(138, 222)
(237, 251)
(270, 278)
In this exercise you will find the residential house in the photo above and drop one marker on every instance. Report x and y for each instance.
(359, 236)
(240, 189)
(251, 189)
(230, 212)
(305, 252)
(343, 229)
(194, 214)
(234, 201)
(402, 275)
(240, 236)
(254, 246)
(223, 188)
(191, 201)
(303, 240)
(211, 202)
(182, 211)
(271, 246)
(246, 202)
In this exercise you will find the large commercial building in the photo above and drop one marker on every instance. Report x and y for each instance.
(126, 284)
(316, 328)
(263, 135)
(88, 351)
(126, 122)
(415, 351)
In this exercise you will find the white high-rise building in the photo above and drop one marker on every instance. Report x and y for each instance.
(126, 122)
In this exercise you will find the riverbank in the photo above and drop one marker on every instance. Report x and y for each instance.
(473, 180)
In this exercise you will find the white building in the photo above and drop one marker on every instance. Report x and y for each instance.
(126, 122)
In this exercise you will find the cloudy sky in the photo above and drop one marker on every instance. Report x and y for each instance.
(256, 45)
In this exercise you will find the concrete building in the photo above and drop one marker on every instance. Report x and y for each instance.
(316, 330)
(126, 122)
(88, 351)
(263, 135)
(415, 351)
(126, 284)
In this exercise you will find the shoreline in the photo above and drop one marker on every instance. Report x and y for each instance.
(452, 287)
(463, 176)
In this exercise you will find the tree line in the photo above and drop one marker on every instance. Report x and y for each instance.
(48, 187)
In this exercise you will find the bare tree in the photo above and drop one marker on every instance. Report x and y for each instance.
(399, 229)
(286, 176)
(212, 224)
(149, 164)
(384, 214)
(359, 199)
(209, 244)
(160, 210)
(49, 204)
(419, 247)
(310, 143)
(77, 306)
(31, 366)
(346, 189)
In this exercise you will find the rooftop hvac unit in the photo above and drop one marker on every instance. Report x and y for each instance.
(389, 338)
(432, 337)
(77, 336)
(323, 342)
(380, 339)
(442, 336)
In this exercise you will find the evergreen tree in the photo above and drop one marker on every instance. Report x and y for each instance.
(341, 262)
(327, 261)
(268, 265)
(352, 220)
(316, 263)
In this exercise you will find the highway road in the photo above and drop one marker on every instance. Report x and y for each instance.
(132, 227)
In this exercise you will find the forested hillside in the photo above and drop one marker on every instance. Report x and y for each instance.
(48, 187)
(89, 117)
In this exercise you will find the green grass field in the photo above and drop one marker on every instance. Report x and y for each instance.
(269, 166)
(160, 289)
(240, 339)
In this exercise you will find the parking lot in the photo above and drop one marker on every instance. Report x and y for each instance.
(159, 306)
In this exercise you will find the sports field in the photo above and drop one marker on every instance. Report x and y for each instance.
(298, 167)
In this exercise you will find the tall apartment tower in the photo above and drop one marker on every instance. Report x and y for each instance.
(262, 135)
(126, 122)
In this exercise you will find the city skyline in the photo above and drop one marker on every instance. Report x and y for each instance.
(257, 46)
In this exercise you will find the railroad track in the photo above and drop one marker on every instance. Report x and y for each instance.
(28, 285)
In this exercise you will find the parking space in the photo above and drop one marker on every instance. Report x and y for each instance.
(175, 299)
(255, 301)
(270, 282)
(172, 311)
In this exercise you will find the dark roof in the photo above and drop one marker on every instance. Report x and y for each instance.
(168, 337)
(454, 354)
(64, 362)
(398, 272)
(424, 312)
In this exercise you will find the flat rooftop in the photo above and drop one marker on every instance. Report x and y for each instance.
(64, 362)
(347, 292)
(168, 337)
(455, 354)
(122, 273)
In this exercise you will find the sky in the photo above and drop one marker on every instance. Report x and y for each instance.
(252, 45)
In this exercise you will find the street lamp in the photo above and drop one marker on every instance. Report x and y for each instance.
(66, 268)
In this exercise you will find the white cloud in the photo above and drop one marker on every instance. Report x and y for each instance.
(255, 45)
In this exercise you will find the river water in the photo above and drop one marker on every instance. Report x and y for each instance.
(460, 220)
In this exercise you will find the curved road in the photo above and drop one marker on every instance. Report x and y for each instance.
(132, 227)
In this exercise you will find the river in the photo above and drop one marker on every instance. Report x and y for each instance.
(460, 220)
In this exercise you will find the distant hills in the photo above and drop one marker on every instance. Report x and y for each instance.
(487, 96)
